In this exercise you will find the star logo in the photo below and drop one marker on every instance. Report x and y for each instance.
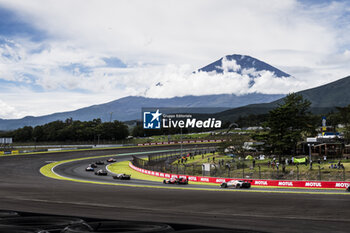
(152, 120)
(156, 115)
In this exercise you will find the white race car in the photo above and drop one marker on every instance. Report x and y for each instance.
(236, 184)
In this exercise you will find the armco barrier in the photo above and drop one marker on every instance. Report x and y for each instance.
(183, 142)
(267, 183)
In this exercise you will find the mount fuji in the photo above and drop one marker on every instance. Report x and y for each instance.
(243, 65)
(129, 108)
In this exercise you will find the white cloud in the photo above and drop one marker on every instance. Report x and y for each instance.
(164, 41)
(228, 65)
(8, 110)
(176, 31)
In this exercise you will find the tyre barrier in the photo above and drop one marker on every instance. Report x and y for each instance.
(8, 214)
(219, 231)
(14, 229)
(118, 226)
(26, 222)
(32, 224)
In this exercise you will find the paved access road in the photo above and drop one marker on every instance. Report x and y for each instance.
(23, 188)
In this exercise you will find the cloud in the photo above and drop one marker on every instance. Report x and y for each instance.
(104, 50)
(176, 31)
(8, 110)
(230, 65)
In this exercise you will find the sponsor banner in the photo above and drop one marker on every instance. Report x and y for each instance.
(275, 183)
(204, 179)
(184, 142)
(301, 160)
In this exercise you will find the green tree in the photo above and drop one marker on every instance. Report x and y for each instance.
(138, 131)
(287, 123)
(23, 134)
(344, 119)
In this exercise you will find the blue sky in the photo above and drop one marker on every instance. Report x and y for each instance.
(13, 25)
(62, 55)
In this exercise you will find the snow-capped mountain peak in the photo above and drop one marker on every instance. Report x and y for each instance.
(243, 65)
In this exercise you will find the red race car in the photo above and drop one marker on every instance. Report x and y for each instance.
(174, 180)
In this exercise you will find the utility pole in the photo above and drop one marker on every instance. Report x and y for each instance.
(310, 162)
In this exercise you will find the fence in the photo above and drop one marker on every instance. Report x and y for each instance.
(243, 169)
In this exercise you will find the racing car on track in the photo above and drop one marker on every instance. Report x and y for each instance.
(174, 180)
(99, 162)
(101, 172)
(348, 188)
(93, 165)
(111, 160)
(236, 184)
(89, 169)
(122, 176)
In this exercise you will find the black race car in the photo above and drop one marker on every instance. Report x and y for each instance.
(93, 165)
(101, 172)
(174, 180)
(348, 188)
(122, 176)
(99, 162)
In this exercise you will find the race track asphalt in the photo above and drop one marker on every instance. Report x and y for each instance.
(24, 188)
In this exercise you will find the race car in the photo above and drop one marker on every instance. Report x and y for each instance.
(236, 184)
(122, 176)
(348, 188)
(111, 160)
(182, 180)
(101, 172)
(174, 180)
(89, 169)
(93, 165)
(99, 162)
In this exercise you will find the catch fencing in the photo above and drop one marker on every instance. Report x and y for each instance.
(239, 169)
(255, 182)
